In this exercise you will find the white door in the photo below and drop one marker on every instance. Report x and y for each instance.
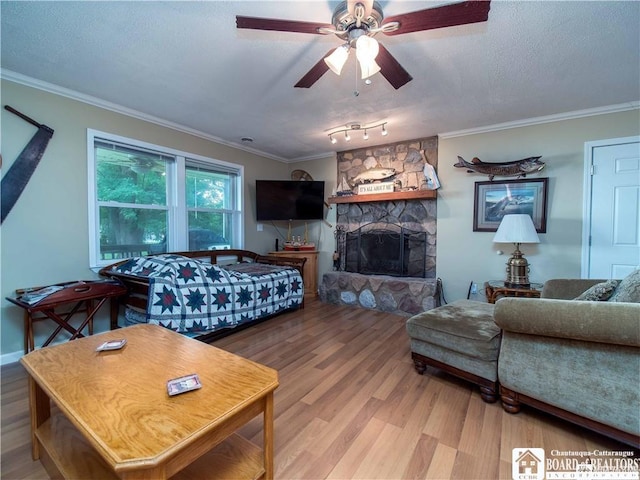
(611, 233)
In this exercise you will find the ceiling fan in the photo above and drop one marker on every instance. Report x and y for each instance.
(356, 22)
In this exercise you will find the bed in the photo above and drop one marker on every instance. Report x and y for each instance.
(206, 294)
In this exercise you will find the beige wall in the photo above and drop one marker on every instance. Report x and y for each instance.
(322, 232)
(44, 239)
(464, 256)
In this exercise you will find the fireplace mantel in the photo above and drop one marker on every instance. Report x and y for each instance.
(383, 197)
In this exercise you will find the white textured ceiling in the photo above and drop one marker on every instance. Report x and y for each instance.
(187, 64)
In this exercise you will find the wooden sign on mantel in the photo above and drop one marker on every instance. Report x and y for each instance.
(370, 188)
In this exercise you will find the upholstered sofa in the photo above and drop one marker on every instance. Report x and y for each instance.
(579, 360)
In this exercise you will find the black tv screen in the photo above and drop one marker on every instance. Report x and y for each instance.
(289, 200)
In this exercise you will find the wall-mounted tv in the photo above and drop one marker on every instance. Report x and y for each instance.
(289, 200)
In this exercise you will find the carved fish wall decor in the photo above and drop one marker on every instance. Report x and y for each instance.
(517, 168)
(373, 174)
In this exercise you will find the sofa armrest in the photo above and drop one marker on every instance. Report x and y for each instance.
(603, 322)
(567, 288)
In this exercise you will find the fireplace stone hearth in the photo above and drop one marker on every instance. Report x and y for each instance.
(404, 296)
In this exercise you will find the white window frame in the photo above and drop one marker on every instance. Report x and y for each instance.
(176, 198)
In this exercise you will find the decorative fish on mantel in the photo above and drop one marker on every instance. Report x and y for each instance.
(517, 168)
(374, 174)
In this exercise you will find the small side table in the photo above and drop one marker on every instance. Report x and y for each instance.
(84, 296)
(495, 289)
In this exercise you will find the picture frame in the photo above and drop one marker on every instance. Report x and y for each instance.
(495, 199)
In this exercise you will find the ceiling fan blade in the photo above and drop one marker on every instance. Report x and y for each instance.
(255, 23)
(472, 11)
(315, 73)
(390, 69)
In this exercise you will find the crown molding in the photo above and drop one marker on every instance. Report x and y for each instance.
(97, 102)
(621, 107)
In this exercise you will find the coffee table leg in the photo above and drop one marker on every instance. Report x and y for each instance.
(268, 437)
(40, 411)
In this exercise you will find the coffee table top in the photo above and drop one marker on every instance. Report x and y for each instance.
(119, 401)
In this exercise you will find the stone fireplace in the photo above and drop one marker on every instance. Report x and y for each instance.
(390, 238)
(385, 255)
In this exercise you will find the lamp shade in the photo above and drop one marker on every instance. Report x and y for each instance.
(516, 228)
(337, 59)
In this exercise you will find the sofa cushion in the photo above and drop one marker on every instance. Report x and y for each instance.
(599, 292)
(629, 289)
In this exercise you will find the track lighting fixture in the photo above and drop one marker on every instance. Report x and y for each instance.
(357, 126)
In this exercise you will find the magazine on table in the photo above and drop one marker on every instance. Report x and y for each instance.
(34, 296)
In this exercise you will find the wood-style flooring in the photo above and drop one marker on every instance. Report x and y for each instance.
(351, 405)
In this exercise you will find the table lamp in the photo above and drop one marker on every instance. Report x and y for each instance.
(517, 228)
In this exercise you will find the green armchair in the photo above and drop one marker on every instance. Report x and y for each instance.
(578, 360)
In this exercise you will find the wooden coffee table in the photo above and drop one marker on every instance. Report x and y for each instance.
(113, 417)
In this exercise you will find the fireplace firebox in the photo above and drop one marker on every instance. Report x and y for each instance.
(400, 253)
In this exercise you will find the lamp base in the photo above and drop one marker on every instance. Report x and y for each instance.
(517, 271)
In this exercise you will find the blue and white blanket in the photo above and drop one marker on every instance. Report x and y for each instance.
(189, 296)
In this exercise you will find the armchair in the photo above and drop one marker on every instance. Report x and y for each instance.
(578, 360)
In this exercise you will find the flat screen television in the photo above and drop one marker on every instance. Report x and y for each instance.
(289, 200)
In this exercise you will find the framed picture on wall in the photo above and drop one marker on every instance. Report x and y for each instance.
(493, 200)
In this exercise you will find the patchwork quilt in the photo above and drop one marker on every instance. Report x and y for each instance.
(193, 297)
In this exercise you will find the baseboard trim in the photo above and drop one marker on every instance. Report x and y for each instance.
(13, 357)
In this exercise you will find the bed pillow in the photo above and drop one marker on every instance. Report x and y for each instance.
(629, 289)
(599, 292)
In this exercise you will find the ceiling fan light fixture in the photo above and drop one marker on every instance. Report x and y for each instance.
(337, 59)
(369, 69)
(353, 19)
(367, 48)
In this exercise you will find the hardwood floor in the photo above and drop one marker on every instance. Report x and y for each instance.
(351, 405)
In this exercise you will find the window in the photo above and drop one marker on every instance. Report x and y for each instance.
(146, 199)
